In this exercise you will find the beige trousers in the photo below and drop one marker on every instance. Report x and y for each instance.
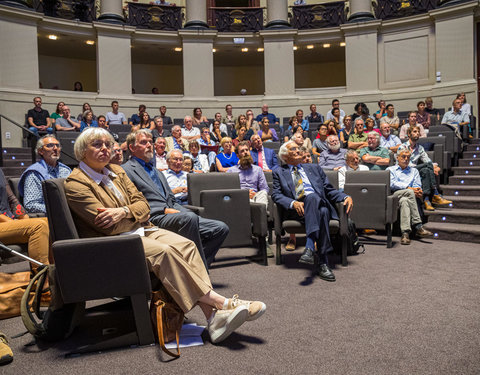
(176, 262)
(260, 197)
(409, 215)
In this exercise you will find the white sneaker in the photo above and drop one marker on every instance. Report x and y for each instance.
(255, 308)
(225, 322)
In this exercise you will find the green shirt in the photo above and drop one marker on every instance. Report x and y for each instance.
(379, 151)
(358, 138)
(55, 115)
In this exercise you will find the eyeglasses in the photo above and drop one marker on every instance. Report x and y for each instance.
(118, 150)
(52, 145)
(293, 149)
(99, 144)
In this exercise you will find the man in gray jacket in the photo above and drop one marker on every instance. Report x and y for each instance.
(165, 212)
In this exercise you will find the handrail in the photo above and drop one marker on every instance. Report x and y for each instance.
(28, 131)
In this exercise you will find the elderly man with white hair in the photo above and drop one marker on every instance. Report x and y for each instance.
(304, 191)
(374, 156)
(176, 141)
(352, 163)
(334, 157)
(176, 176)
(189, 132)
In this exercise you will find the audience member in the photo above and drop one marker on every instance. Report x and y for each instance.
(332, 127)
(77, 86)
(88, 121)
(457, 118)
(229, 119)
(301, 141)
(30, 184)
(200, 161)
(314, 116)
(66, 123)
(117, 154)
(102, 123)
(115, 117)
(337, 118)
(423, 117)
(173, 259)
(136, 118)
(242, 122)
(38, 118)
(361, 111)
(158, 130)
(412, 121)
(370, 126)
(388, 140)
(227, 158)
(58, 113)
(155, 91)
(189, 132)
(198, 119)
(292, 128)
(382, 112)
(167, 120)
(207, 144)
(352, 163)
(406, 185)
(85, 107)
(161, 154)
(264, 157)
(17, 228)
(176, 141)
(266, 133)
(334, 157)
(426, 168)
(159, 190)
(335, 104)
(251, 122)
(374, 156)
(302, 121)
(187, 164)
(358, 140)
(320, 143)
(306, 156)
(242, 136)
(346, 131)
(434, 112)
(223, 127)
(216, 134)
(271, 117)
(306, 194)
(391, 119)
(145, 123)
(465, 106)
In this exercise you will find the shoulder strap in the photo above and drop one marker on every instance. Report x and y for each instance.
(36, 329)
(161, 339)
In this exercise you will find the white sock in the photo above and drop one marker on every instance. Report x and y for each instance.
(211, 317)
(225, 304)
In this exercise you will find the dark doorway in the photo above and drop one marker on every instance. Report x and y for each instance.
(232, 3)
(228, 4)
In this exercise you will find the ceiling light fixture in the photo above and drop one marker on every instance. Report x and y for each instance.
(214, 50)
(245, 49)
(342, 44)
(52, 37)
(260, 49)
(295, 48)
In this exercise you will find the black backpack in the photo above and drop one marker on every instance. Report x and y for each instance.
(353, 243)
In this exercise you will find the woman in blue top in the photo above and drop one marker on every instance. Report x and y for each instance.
(88, 121)
(227, 158)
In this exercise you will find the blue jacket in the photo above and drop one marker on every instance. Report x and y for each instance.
(270, 157)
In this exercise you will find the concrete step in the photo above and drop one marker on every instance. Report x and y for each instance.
(462, 171)
(468, 202)
(475, 162)
(471, 154)
(454, 215)
(13, 171)
(461, 190)
(472, 147)
(464, 180)
(16, 151)
(474, 141)
(16, 163)
(455, 232)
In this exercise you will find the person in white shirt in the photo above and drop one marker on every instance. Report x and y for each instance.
(352, 161)
(335, 104)
(190, 133)
(176, 177)
(115, 117)
(160, 154)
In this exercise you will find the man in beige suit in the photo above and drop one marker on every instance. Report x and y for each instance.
(176, 142)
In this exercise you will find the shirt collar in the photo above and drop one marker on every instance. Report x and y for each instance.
(179, 174)
(299, 167)
(406, 169)
(95, 176)
(143, 163)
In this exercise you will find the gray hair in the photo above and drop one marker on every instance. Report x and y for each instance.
(132, 137)
(359, 119)
(87, 136)
(376, 135)
(332, 136)
(84, 114)
(296, 135)
(173, 151)
(176, 127)
(156, 117)
(284, 150)
(349, 153)
(39, 144)
(401, 151)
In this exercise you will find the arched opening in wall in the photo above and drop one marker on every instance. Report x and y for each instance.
(65, 60)
(157, 69)
(319, 65)
(238, 70)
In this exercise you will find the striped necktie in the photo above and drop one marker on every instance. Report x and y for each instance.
(299, 189)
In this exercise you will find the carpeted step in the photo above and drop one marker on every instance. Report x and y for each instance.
(17, 162)
(468, 202)
(475, 162)
(464, 180)
(16, 151)
(462, 190)
(455, 232)
(13, 171)
(472, 147)
(474, 141)
(462, 171)
(454, 215)
(470, 154)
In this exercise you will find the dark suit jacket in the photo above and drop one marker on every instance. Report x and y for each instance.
(284, 189)
(270, 156)
(157, 201)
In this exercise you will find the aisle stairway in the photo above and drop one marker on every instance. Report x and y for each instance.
(16, 160)
(462, 221)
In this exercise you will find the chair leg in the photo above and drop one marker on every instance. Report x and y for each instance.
(270, 236)
(142, 319)
(344, 251)
(388, 227)
(278, 255)
(262, 245)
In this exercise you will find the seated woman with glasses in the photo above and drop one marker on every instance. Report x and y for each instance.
(227, 158)
(106, 203)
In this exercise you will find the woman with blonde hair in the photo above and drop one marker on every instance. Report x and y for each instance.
(227, 158)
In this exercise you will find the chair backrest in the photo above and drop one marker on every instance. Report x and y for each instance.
(332, 177)
(119, 128)
(272, 145)
(13, 183)
(67, 140)
(198, 182)
(60, 220)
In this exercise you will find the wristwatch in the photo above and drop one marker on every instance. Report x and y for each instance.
(125, 208)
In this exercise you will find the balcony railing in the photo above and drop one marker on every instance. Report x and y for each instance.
(82, 10)
(387, 9)
(157, 17)
(238, 19)
(318, 16)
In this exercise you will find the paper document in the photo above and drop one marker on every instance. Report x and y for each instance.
(190, 335)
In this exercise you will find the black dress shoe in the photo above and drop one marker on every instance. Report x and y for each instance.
(326, 273)
(307, 256)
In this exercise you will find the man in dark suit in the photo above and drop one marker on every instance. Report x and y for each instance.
(165, 212)
(264, 157)
(307, 195)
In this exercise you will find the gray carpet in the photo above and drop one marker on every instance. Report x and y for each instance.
(409, 309)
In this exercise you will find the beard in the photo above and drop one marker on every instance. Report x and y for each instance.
(246, 161)
(149, 155)
(334, 148)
